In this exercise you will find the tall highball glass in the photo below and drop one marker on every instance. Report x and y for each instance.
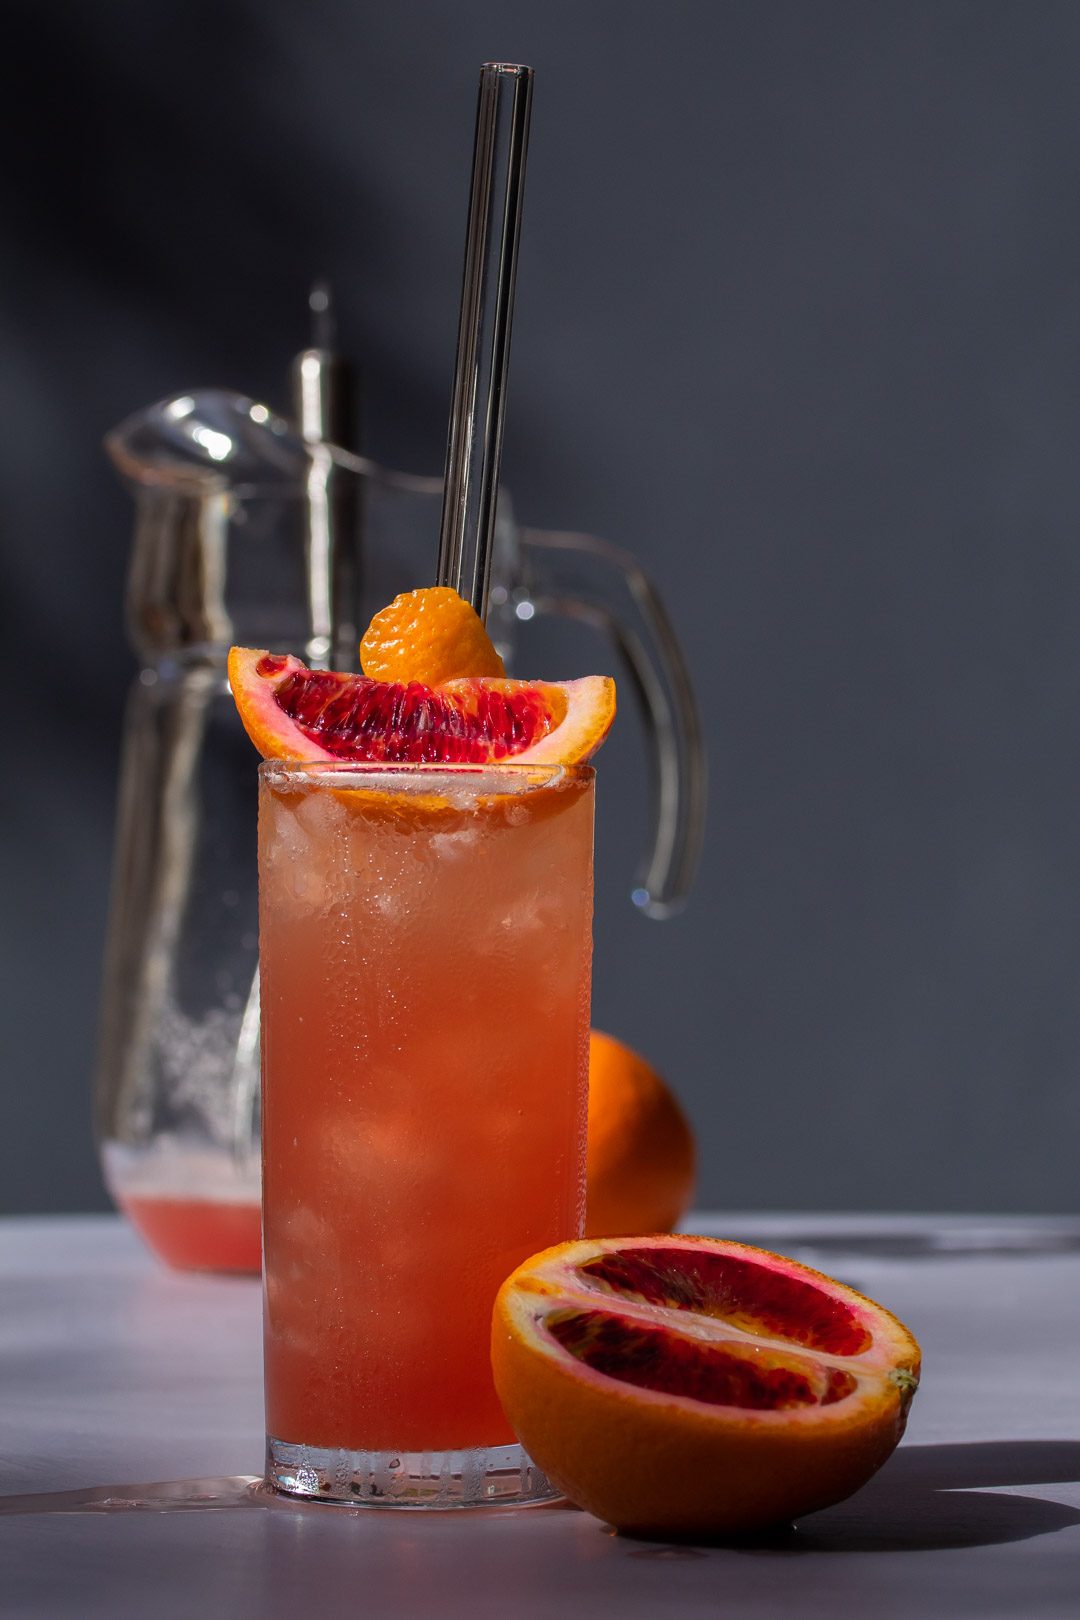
(425, 947)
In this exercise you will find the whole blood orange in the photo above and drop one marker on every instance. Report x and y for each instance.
(684, 1386)
(640, 1168)
(432, 636)
(292, 712)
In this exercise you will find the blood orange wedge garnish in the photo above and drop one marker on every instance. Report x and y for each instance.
(685, 1386)
(292, 712)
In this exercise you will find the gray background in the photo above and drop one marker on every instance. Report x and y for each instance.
(797, 323)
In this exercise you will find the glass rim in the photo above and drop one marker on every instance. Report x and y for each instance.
(305, 770)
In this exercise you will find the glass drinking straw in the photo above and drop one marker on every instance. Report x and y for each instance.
(478, 402)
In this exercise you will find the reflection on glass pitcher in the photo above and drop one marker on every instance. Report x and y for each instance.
(246, 533)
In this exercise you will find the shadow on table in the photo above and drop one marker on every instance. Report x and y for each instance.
(931, 1497)
(166, 1496)
(926, 1498)
(937, 1496)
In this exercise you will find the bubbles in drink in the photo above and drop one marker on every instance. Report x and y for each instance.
(426, 1024)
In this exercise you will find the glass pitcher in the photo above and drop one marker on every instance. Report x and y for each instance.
(246, 533)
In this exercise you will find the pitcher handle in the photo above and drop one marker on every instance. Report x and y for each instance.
(598, 583)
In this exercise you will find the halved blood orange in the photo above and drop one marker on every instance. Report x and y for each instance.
(687, 1386)
(292, 712)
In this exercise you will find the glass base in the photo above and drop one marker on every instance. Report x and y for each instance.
(487, 1476)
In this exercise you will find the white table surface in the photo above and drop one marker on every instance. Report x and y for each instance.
(128, 1393)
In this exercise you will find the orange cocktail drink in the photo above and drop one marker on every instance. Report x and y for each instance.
(425, 944)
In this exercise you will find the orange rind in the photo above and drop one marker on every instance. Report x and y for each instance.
(641, 1157)
(431, 636)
